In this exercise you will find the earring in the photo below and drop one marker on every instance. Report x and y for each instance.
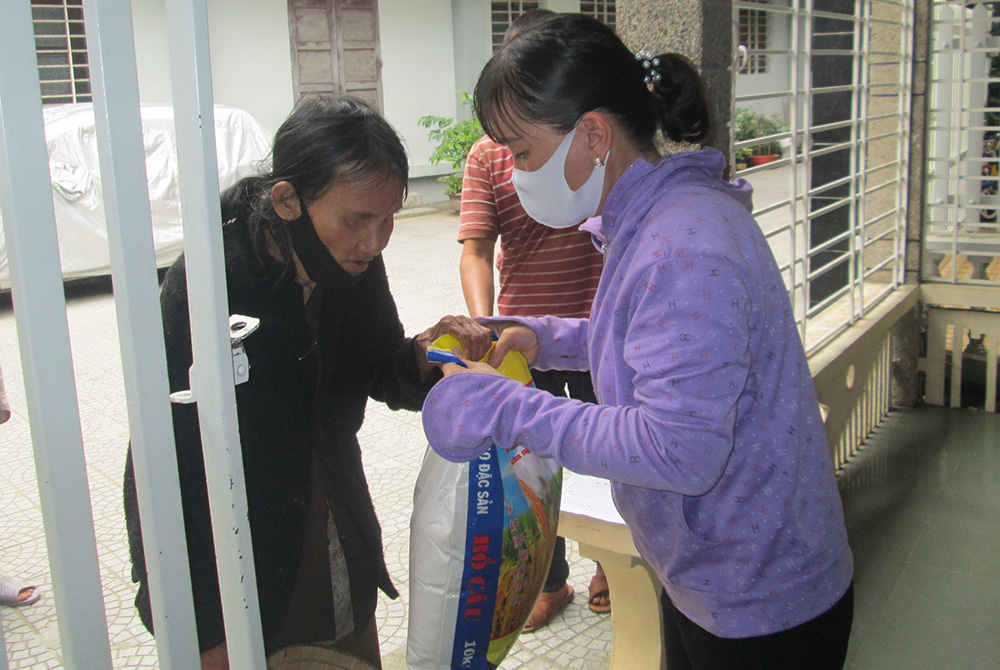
(599, 162)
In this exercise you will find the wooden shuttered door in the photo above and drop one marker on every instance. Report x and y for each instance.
(335, 48)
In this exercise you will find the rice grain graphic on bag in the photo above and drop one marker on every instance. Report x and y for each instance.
(481, 539)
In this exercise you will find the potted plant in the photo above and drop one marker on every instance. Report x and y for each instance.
(743, 155)
(454, 139)
(750, 125)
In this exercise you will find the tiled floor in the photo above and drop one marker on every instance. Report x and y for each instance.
(922, 502)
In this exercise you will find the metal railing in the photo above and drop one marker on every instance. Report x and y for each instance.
(36, 285)
(962, 232)
(834, 205)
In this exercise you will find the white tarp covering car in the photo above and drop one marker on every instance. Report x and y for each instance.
(241, 146)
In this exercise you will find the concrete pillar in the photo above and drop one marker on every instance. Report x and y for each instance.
(916, 206)
(908, 333)
(907, 341)
(701, 30)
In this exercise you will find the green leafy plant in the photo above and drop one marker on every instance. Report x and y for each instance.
(750, 125)
(454, 139)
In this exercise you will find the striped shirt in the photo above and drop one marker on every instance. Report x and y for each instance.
(542, 270)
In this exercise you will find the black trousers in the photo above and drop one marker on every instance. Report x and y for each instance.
(563, 384)
(818, 644)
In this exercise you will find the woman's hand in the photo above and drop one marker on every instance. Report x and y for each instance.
(471, 366)
(516, 338)
(474, 339)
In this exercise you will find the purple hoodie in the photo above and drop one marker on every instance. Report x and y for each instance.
(708, 425)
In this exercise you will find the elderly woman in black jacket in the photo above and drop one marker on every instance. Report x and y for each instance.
(303, 254)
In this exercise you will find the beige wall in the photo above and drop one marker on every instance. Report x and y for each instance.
(251, 56)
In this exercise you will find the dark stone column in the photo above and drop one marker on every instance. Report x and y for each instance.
(701, 30)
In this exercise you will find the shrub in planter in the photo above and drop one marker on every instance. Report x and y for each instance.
(454, 139)
(750, 125)
(743, 157)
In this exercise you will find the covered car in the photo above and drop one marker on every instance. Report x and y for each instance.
(70, 135)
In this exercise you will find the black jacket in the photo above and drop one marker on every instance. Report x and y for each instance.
(303, 393)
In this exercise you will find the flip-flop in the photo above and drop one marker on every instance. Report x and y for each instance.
(599, 588)
(546, 609)
(10, 589)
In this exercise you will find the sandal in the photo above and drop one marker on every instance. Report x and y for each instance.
(546, 607)
(599, 589)
(11, 589)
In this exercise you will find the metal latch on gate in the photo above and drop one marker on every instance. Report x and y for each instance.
(239, 328)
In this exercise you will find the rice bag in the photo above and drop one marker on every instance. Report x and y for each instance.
(481, 540)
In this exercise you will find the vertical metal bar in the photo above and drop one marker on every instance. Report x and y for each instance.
(960, 145)
(212, 371)
(795, 23)
(807, 205)
(945, 100)
(971, 170)
(857, 160)
(880, 381)
(133, 267)
(991, 370)
(43, 334)
(864, 98)
(3, 649)
(906, 37)
(941, 94)
(887, 374)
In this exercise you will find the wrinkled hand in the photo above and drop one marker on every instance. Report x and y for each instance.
(474, 339)
(516, 338)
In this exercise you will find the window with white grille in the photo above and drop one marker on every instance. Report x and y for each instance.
(834, 204)
(602, 11)
(753, 36)
(61, 49)
(961, 230)
(505, 12)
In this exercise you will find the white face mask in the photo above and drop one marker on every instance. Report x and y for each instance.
(548, 199)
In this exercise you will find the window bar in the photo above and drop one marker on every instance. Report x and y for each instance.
(133, 269)
(807, 52)
(859, 181)
(70, 61)
(795, 123)
(905, 107)
(212, 371)
(959, 137)
(940, 115)
(974, 121)
(46, 360)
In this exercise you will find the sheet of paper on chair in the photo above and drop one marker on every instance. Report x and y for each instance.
(589, 496)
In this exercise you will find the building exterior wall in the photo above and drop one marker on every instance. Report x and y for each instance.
(418, 72)
(251, 56)
(252, 69)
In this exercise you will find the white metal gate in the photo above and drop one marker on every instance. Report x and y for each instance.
(36, 284)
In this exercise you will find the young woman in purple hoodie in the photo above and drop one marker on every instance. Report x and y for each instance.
(707, 423)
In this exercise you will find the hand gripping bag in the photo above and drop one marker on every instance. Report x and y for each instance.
(481, 540)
